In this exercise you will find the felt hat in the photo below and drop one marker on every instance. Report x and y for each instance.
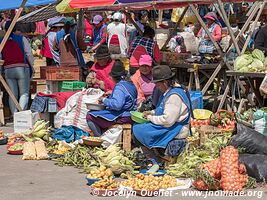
(145, 60)
(102, 52)
(161, 73)
(118, 69)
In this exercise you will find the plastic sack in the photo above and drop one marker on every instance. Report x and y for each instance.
(256, 166)
(112, 136)
(29, 152)
(263, 87)
(41, 151)
(260, 121)
(252, 141)
(202, 114)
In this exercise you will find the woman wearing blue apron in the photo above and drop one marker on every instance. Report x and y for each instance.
(118, 105)
(168, 127)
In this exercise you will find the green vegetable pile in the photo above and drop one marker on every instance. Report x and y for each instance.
(87, 158)
(16, 147)
(186, 163)
(254, 62)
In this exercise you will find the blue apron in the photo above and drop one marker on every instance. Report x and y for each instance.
(158, 136)
(111, 115)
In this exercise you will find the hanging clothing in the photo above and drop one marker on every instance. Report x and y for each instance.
(159, 136)
(206, 46)
(40, 27)
(143, 84)
(141, 46)
(120, 103)
(70, 53)
(102, 74)
(117, 36)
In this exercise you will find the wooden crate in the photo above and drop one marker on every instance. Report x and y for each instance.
(173, 58)
(60, 73)
(207, 131)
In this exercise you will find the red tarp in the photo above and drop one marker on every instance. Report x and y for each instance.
(90, 3)
(141, 4)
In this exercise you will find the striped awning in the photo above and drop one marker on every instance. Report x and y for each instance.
(41, 14)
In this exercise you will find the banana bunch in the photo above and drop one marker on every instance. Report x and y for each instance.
(114, 158)
(39, 131)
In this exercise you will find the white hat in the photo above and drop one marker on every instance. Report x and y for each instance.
(117, 16)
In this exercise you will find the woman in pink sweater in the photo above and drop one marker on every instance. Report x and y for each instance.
(205, 45)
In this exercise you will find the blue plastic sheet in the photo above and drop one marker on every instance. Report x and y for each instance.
(14, 4)
(69, 133)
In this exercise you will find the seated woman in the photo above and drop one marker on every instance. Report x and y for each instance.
(142, 79)
(118, 105)
(103, 66)
(169, 122)
(206, 45)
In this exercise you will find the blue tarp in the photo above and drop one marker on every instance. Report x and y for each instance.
(14, 4)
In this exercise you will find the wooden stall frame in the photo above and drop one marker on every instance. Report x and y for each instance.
(10, 93)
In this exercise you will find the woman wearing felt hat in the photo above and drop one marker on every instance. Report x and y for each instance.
(118, 105)
(168, 125)
(102, 67)
(205, 45)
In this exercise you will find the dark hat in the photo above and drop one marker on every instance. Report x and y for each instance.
(161, 73)
(118, 69)
(102, 52)
(7, 24)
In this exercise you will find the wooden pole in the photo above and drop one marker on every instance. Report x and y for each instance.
(175, 27)
(246, 24)
(224, 17)
(9, 31)
(206, 29)
(253, 27)
(160, 16)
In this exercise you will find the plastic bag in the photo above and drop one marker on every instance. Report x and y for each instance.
(112, 136)
(263, 87)
(256, 165)
(29, 152)
(41, 151)
(260, 121)
(249, 139)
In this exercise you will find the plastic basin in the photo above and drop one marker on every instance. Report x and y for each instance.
(138, 117)
(17, 152)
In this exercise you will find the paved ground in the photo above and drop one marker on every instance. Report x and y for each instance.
(42, 180)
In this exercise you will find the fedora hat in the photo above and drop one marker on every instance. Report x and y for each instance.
(102, 52)
(161, 73)
(118, 70)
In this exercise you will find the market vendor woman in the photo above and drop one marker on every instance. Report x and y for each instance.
(118, 105)
(169, 122)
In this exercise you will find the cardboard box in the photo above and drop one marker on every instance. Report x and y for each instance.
(24, 120)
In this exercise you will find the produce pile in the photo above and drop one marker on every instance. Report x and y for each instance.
(2, 136)
(254, 62)
(88, 159)
(40, 131)
(102, 173)
(105, 184)
(34, 151)
(224, 173)
(186, 163)
(150, 182)
(16, 147)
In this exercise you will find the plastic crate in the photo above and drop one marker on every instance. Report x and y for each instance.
(68, 86)
(60, 73)
(196, 99)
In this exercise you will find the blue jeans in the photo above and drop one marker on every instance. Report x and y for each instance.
(18, 79)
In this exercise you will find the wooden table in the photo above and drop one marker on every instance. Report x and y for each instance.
(250, 77)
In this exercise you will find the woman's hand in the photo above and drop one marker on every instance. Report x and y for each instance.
(146, 113)
(100, 100)
(108, 93)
